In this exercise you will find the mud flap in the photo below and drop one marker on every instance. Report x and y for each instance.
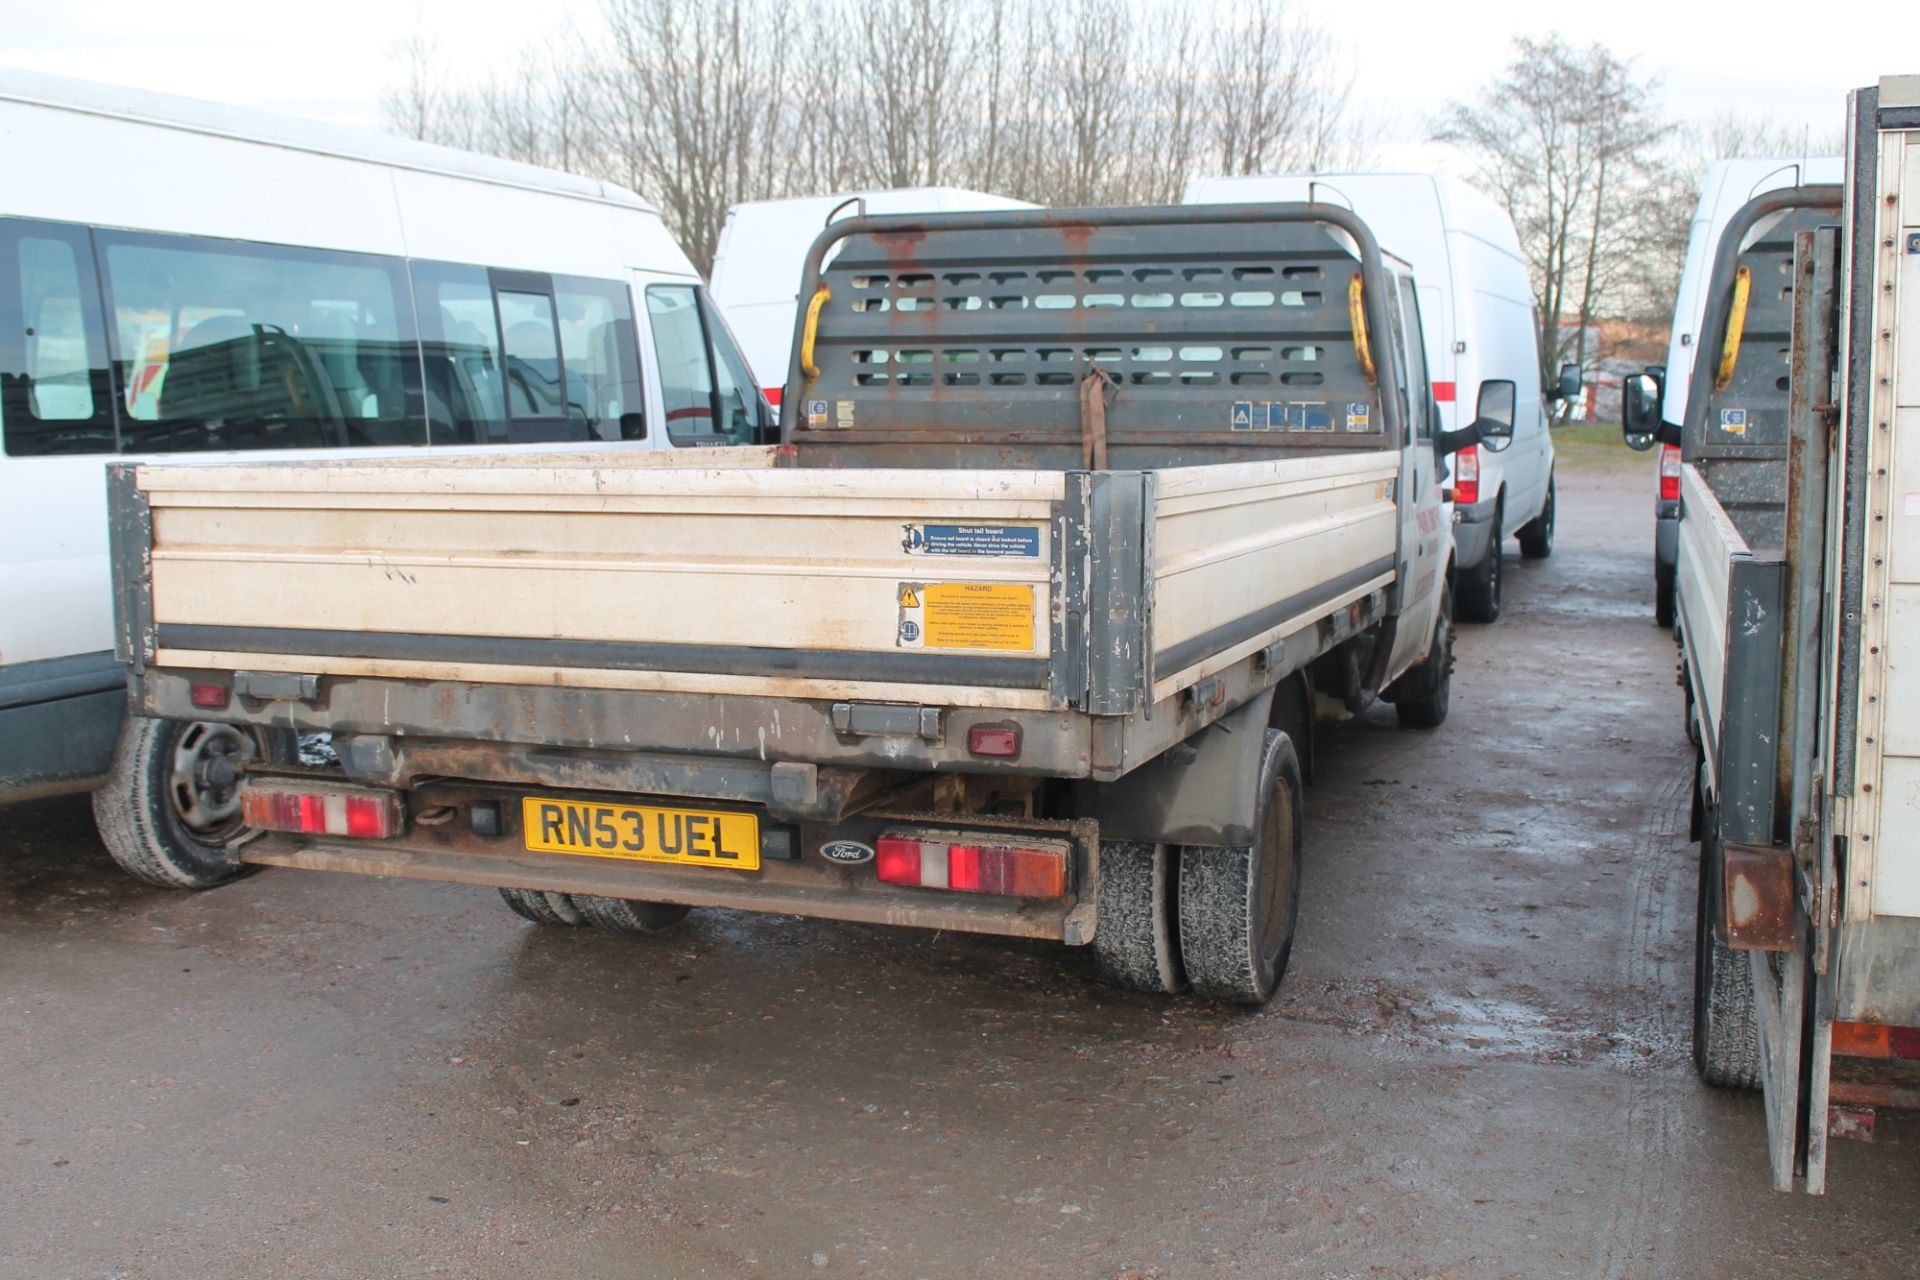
(1202, 792)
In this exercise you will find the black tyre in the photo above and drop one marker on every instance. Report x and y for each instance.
(172, 800)
(1422, 697)
(1238, 907)
(1663, 614)
(1536, 535)
(622, 915)
(1726, 1025)
(1476, 591)
(556, 910)
(1134, 941)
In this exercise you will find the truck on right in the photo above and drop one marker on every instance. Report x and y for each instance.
(1797, 575)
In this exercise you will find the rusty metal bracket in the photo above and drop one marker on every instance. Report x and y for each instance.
(1758, 897)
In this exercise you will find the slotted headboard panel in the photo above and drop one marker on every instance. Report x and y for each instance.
(1217, 328)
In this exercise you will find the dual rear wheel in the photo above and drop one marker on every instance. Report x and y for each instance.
(1218, 921)
(575, 910)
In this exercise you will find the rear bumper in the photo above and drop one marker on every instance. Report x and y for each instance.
(806, 884)
(1472, 534)
(1666, 534)
(59, 722)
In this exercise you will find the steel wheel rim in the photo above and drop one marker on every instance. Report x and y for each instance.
(203, 777)
(1275, 905)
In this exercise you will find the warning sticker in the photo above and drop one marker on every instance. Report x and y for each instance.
(1733, 421)
(817, 414)
(994, 540)
(1359, 416)
(1242, 416)
(843, 414)
(966, 615)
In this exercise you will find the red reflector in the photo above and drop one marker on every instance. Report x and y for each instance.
(209, 695)
(320, 813)
(772, 394)
(1466, 476)
(1443, 392)
(1669, 473)
(993, 742)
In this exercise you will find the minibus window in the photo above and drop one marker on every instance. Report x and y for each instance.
(602, 356)
(686, 372)
(222, 345)
(53, 359)
(533, 356)
(460, 353)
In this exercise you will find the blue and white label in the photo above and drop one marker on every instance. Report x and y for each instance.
(1242, 419)
(1733, 421)
(995, 541)
(816, 414)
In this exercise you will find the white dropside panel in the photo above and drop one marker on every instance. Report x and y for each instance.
(1709, 542)
(1242, 539)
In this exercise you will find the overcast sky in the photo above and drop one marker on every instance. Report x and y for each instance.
(330, 61)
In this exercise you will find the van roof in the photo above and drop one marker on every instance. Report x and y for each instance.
(1375, 196)
(268, 128)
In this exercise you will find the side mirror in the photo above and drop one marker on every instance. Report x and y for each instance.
(1571, 380)
(1493, 414)
(1640, 395)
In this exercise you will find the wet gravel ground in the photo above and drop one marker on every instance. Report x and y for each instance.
(1477, 1068)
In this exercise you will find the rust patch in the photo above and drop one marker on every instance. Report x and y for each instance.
(1758, 898)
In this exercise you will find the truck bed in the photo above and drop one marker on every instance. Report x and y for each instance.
(725, 574)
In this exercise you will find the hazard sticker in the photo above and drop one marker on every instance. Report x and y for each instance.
(1242, 418)
(966, 615)
(817, 414)
(1733, 421)
(1359, 416)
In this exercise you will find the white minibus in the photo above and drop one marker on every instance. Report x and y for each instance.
(181, 280)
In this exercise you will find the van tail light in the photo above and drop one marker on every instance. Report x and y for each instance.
(1669, 473)
(321, 811)
(773, 395)
(1466, 476)
(1015, 871)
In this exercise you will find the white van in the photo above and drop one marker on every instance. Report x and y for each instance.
(186, 281)
(756, 269)
(1476, 306)
(1729, 184)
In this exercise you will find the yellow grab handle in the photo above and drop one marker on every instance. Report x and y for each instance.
(1736, 326)
(812, 331)
(1357, 311)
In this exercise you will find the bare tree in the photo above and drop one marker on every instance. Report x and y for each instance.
(1563, 140)
(412, 104)
(702, 105)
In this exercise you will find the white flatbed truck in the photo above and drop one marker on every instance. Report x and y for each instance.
(1079, 520)
(1798, 582)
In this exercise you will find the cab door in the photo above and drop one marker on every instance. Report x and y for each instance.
(1426, 523)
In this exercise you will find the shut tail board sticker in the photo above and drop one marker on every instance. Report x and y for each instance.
(966, 615)
(998, 541)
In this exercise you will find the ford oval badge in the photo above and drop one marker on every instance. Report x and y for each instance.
(846, 852)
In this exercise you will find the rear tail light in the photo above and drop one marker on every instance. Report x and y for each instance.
(209, 695)
(1016, 871)
(773, 395)
(1669, 473)
(1466, 476)
(362, 815)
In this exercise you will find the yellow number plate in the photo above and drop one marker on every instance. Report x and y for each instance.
(643, 833)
